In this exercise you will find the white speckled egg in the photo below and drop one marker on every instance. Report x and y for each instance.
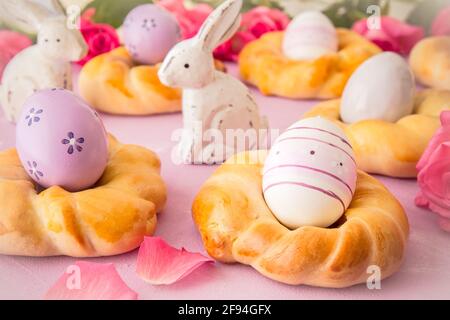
(309, 176)
(381, 88)
(309, 36)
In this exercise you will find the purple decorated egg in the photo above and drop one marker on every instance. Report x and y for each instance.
(61, 140)
(149, 33)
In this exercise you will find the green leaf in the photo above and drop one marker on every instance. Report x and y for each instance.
(345, 13)
(425, 12)
(113, 12)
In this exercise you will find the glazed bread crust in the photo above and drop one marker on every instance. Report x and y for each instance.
(391, 149)
(236, 225)
(111, 218)
(263, 64)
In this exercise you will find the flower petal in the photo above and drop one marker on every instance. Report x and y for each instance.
(70, 135)
(90, 281)
(158, 263)
(70, 150)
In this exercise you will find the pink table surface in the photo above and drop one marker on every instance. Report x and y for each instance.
(425, 273)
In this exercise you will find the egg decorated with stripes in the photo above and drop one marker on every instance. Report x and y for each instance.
(309, 176)
(309, 36)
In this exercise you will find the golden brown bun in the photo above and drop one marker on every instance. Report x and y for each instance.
(111, 218)
(391, 149)
(237, 226)
(263, 64)
(430, 62)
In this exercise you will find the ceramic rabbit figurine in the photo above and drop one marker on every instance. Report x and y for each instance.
(47, 63)
(215, 104)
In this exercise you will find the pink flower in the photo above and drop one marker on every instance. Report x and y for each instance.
(11, 43)
(441, 24)
(434, 174)
(100, 38)
(393, 35)
(190, 20)
(255, 23)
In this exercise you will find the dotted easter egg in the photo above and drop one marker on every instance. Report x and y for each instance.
(309, 176)
(61, 140)
(309, 36)
(149, 33)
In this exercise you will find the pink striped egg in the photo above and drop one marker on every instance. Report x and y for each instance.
(309, 176)
(309, 36)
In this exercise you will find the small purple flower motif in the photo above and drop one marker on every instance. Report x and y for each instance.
(33, 116)
(73, 143)
(33, 170)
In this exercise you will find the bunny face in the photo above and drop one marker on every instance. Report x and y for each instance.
(190, 63)
(58, 42)
(187, 65)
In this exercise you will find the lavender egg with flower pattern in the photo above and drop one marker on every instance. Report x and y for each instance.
(149, 32)
(61, 141)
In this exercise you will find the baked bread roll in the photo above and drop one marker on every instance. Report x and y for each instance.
(430, 62)
(111, 83)
(111, 218)
(263, 64)
(391, 149)
(236, 225)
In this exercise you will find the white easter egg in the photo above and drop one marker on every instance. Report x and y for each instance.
(309, 36)
(309, 176)
(381, 88)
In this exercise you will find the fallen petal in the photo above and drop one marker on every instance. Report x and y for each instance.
(158, 263)
(90, 281)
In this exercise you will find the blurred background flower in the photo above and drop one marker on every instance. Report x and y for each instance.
(393, 35)
(434, 174)
(255, 23)
(441, 24)
(100, 37)
(190, 19)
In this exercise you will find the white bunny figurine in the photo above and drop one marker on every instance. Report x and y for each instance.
(213, 102)
(45, 64)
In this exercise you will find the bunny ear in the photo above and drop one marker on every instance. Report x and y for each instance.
(221, 24)
(24, 15)
(58, 7)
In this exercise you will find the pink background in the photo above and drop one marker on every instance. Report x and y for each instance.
(425, 273)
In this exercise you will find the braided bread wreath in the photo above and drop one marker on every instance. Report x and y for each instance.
(112, 83)
(236, 225)
(263, 64)
(391, 149)
(111, 218)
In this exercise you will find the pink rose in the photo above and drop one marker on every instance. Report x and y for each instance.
(394, 35)
(229, 51)
(100, 38)
(434, 174)
(11, 43)
(441, 24)
(255, 23)
(190, 20)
